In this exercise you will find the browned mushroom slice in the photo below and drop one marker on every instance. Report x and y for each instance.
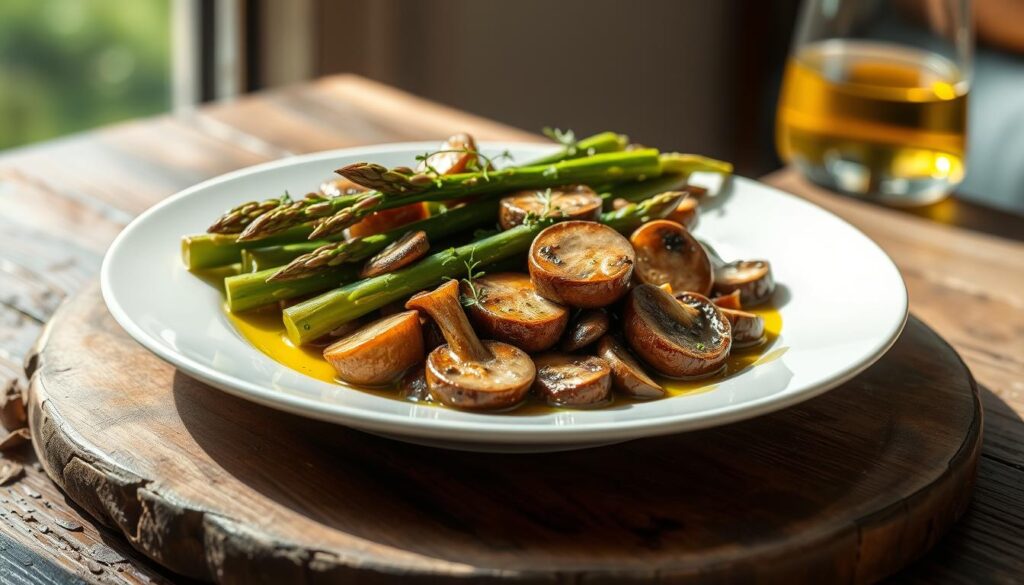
(466, 372)
(398, 254)
(628, 376)
(454, 155)
(587, 328)
(667, 253)
(506, 307)
(729, 301)
(747, 328)
(581, 264)
(570, 201)
(572, 380)
(683, 339)
(753, 278)
(413, 386)
(380, 352)
(685, 213)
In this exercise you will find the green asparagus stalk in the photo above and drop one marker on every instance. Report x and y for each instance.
(238, 218)
(596, 144)
(684, 164)
(315, 317)
(203, 251)
(251, 290)
(404, 189)
(442, 225)
(235, 220)
(265, 257)
(677, 170)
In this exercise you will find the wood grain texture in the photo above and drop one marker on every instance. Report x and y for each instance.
(847, 487)
(63, 201)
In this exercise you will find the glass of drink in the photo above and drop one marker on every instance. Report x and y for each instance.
(874, 100)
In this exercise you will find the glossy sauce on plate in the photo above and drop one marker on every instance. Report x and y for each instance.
(264, 330)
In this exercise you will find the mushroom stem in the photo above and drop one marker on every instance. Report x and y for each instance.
(444, 307)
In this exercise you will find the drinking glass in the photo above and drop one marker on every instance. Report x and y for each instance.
(874, 99)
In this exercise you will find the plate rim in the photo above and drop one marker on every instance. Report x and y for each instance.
(395, 424)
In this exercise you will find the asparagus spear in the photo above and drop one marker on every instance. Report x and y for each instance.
(248, 291)
(596, 144)
(264, 257)
(238, 218)
(203, 251)
(235, 220)
(311, 319)
(444, 224)
(403, 189)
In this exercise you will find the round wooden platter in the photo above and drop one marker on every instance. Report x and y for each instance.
(847, 487)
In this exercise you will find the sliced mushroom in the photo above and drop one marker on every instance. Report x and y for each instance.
(571, 201)
(398, 254)
(572, 380)
(628, 376)
(388, 219)
(454, 155)
(506, 307)
(667, 253)
(747, 328)
(684, 339)
(378, 353)
(466, 372)
(685, 213)
(413, 386)
(587, 328)
(753, 278)
(729, 301)
(581, 264)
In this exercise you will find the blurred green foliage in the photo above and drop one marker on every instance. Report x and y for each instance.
(68, 65)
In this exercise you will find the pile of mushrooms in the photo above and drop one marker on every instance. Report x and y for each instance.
(596, 313)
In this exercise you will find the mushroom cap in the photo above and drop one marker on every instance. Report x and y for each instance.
(679, 341)
(753, 278)
(747, 328)
(500, 382)
(570, 201)
(402, 252)
(581, 264)
(378, 353)
(628, 376)
(510, 310)
(666, 253)
(572, 380)
(587, 328)
(685, 214)
(453, 156)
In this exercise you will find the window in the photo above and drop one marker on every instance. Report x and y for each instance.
(68, 65)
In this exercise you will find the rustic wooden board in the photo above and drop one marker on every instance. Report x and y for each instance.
(848, 487)
(64, 200)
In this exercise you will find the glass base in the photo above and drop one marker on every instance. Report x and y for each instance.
(854, 178)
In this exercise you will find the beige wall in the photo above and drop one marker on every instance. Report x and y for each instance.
(678, 74)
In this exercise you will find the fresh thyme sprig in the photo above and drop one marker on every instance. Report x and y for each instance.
(476, 295)
(566, 138)
(546, 198)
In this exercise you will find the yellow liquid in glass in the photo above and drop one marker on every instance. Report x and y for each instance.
(264, 330)
(874, 119)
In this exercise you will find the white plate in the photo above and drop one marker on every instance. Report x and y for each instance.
(842, 301)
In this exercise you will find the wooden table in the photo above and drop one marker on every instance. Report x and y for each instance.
(65, 200)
